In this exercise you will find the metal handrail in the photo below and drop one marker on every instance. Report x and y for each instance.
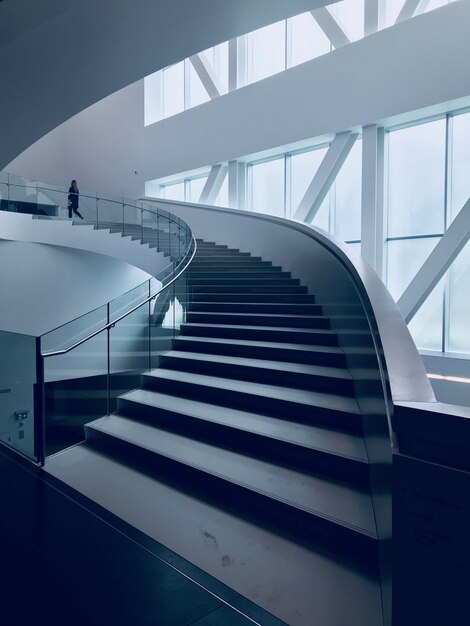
(97, 198)
(112, 324)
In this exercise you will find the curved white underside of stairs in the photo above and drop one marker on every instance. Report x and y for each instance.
(18, 227)
(44, 287)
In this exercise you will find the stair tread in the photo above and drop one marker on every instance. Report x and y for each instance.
(265, 344)
(311, 398)
(203, 533)
(299, 368)
(332, 500)
(305, 435)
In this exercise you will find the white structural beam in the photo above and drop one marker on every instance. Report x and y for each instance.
(325, 175)
(330, 27)
(372, 213)
(374, 16)
(410, 8)
(213, 184)
(206, 74)
(436, 265)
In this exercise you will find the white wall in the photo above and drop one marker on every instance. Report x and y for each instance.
(44, 286)
(17, 376)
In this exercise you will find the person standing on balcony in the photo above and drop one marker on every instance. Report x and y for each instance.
(73, 199)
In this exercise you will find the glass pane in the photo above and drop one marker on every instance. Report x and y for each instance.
(416, 180)
(426, 325)
(459, 292)
(17, 391)
(218, 59)
(222, 196)
(266, 51)
(435, 4)
(197, 91)
(76, 392)
(350, 16)
(404, 259)
(129, 353)
(153, 189)
(308, 39)
(110, 214)
(303, 168)
(393, 10)
(460, 191)
(196, 185)
(162, 324)
(75, 330)
(322, 218)
(173, 89)
(348, 189)
(174, 192)
(128, 301)
(268, 187)
(153, 98)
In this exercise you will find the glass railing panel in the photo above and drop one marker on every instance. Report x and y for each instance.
(128, 301)
(65, 336)
(129, 346)
(162, 324)
(110, 214)
(76, 392)
(24, 197)
(132, 221)
(18, 392)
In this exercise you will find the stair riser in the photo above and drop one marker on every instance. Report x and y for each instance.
(254, 297)
(197, 276)
(265, 281)
(271, 354)
(223, 261)
(253, 444)
(316, 529)
(244, 288)
(258, 320)
(284, 409)
(261, 334)
(260, 375)
(213, 268)
(240, 307)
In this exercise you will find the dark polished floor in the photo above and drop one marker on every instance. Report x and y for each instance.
(62, 563)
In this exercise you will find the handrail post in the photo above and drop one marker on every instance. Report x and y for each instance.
(150, 328)
(97, 208)
(108, 362)
(39, 408)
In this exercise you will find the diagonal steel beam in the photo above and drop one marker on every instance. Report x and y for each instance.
(411, 8)
(206, 74)
(332, 162)
(213, 184)
(330, 27)
(436, 265)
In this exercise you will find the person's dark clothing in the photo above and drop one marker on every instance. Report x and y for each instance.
(73, 202)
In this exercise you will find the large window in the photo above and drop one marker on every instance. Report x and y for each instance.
(267, 182)
(428, 184)
(267, 51)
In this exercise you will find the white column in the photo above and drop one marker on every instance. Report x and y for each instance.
(372, 214)
(374, 16)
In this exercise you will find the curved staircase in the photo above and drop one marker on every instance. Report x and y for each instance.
(251, 416)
